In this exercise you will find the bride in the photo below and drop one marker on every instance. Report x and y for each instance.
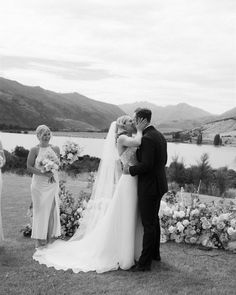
(109, 236)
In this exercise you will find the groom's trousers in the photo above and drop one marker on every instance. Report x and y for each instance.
(149, 208)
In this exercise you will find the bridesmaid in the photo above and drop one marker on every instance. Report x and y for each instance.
(44, 191)
(2, 162)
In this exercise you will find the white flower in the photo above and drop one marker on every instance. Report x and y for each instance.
(202, 206)
(181, 214)
(231, 231)
(84, 204)
(233, 223)
(79, 210)
(195, 212)
(70, 156)
(220, 225)
(180, 226)
(214, 220)
(185, 222)
(193, 240)
(224, 216)
(171, 229)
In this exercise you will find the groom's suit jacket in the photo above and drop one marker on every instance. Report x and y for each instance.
(152, 157)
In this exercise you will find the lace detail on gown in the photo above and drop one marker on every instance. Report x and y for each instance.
(129, 156)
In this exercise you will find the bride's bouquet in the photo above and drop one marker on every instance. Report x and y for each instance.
(50, 163)
(71, 152)
(1, 161)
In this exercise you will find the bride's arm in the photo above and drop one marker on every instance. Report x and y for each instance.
(135, 141)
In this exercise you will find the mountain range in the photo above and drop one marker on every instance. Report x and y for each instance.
(26, 107)
(177, 117)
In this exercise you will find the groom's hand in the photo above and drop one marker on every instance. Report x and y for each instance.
(126, 169)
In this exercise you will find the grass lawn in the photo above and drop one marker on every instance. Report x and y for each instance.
(184, 269)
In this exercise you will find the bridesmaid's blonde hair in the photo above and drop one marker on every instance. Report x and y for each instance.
(41, 129)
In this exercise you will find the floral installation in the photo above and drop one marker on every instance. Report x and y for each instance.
(71, 152)
(212, 225)
(70, 210)
(50, 163)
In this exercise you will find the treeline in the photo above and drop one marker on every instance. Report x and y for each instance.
(215, 182)
(16, 162)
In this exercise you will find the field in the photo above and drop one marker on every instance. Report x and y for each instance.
(184, 269)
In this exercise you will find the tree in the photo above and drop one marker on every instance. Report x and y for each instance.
(176, 172)
(221, 179)
(199, 138)
(217, 140)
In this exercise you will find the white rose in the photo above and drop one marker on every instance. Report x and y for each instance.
(180, 226)
(231, 231)
(233, 223)
(171, 229)
(70, 156)
(181, 214)
(202, 206)
(185, 222)
(214, 220)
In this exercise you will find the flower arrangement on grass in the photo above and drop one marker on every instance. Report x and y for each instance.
(212, 225)
(70, 210)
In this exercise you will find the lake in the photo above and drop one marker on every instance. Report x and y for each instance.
(189, 153)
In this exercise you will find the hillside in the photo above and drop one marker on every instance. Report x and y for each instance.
(172, 117)
(225, 127)
(27, 107)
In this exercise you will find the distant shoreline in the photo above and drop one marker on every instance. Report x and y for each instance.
(102, 135)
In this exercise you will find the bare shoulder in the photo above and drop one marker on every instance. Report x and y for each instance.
(34, 149)
(122, 138)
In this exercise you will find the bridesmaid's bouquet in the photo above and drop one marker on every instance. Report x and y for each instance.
(71, 152)
(50, 163)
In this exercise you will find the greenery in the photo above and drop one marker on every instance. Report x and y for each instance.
(16, 162)
(216, 182)
(184, 269)
(202, 176)
(217, 140)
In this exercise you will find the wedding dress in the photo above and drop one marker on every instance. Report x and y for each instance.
(114, 241)
(44, 196)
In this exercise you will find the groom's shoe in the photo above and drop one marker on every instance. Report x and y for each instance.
(139, 268)
(156, 258)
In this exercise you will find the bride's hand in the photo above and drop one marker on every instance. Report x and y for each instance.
(141, 124)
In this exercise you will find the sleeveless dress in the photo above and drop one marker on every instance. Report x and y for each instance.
(112, 244)
(44, 197)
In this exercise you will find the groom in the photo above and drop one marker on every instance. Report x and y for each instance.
(152, 185)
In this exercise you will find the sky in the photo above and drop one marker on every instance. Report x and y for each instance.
(162, 51)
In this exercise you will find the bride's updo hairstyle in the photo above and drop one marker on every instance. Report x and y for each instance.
(41, 130)
(121, 124)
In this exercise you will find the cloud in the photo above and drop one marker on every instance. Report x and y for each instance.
(120, 51)
(65, 69)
